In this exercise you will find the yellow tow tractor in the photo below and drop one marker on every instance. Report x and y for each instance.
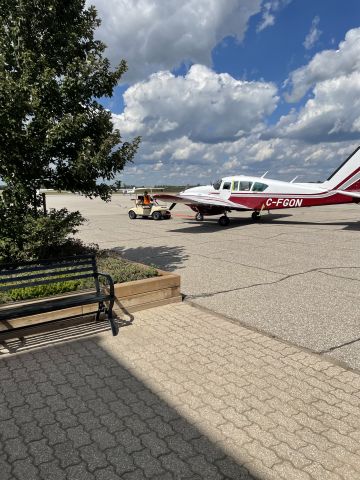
(148, 207)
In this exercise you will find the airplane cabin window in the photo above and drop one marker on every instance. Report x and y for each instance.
(227, 186)
(235, 186)
(245, 186)
(217, 184)
(259, 187)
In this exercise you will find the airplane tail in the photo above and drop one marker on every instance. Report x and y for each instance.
(346, 177)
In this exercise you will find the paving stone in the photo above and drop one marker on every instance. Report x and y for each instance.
(8, 429)
(54, 434)
(93, 457)
(232, 470)
(24, 470)
(103, 438)
(5, 468)
(78, 436)
(66, 454)
(149, 464)
(250, 407)
(200, 465)
(120, 460)
(40, 452)
(176, 465)
(78, 472)
(156, 445)
(16, 449)
(51, 471)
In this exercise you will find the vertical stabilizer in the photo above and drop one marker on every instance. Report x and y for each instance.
(347, 176)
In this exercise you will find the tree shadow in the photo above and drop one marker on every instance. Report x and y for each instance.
(163, 257)
(75, 411)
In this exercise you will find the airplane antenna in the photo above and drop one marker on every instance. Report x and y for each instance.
(262, 176)
(293, 180)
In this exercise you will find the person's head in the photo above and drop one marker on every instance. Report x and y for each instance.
(145, 193)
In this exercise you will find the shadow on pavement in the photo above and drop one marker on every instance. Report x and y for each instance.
(210, 225)
(163, 257)
(73, 411)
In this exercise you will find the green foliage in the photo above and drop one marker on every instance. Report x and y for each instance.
(40, 291)
(53, 131)
(124, 271)
(25, 236)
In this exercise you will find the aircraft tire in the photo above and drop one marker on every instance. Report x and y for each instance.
(199, 217)
(224, 221)
(132, 215)
(255, 216)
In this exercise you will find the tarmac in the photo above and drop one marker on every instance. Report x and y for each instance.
(294, 275)
(248, 378)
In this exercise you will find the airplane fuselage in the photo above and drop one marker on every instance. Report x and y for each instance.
(243, 193)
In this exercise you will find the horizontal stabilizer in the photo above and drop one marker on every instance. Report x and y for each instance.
(349, 193)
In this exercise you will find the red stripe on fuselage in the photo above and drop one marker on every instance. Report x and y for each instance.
(277, 201)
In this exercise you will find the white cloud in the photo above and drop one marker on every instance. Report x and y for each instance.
(269, 11)
(203, 106)
(284, 158)
(326, 65)
(314, 34)
(333, 114)
(155, 35)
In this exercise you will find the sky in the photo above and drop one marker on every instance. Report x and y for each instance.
(218, 88)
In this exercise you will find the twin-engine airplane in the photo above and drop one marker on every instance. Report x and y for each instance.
(258, 193)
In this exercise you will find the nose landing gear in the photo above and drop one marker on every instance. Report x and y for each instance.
(224, 221)
(199, 217)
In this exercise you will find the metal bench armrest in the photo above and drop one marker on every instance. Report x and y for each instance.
(110, 282)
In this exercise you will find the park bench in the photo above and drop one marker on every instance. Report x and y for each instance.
(49, 272)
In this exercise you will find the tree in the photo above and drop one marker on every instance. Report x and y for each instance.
(53, 131)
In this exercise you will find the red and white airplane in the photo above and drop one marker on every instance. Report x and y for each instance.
(258, 193)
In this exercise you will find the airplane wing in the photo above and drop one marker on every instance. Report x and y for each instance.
(200, 200)
(354, 194)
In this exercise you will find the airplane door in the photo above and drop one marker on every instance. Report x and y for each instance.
(225, 190)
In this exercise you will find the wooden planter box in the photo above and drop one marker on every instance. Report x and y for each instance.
(130, 297)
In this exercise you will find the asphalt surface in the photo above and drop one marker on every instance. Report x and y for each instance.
(295, 274)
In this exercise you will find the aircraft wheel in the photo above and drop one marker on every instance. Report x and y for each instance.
(199, 217)
(255, 216)
(132, 215)
(224, 221)
(156, 216)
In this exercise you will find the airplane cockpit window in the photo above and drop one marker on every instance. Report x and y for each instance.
(217, 184)
(259, 187)
(245, 186)
(226, 186)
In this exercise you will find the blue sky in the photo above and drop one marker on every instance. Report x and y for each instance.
(242, 86)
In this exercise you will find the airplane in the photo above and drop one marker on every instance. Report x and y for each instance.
(257, 194)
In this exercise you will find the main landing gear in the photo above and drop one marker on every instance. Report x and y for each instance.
(224, 221)
(199, 217)
(255, 215)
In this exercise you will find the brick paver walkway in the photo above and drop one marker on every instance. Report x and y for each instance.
(178, 394)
